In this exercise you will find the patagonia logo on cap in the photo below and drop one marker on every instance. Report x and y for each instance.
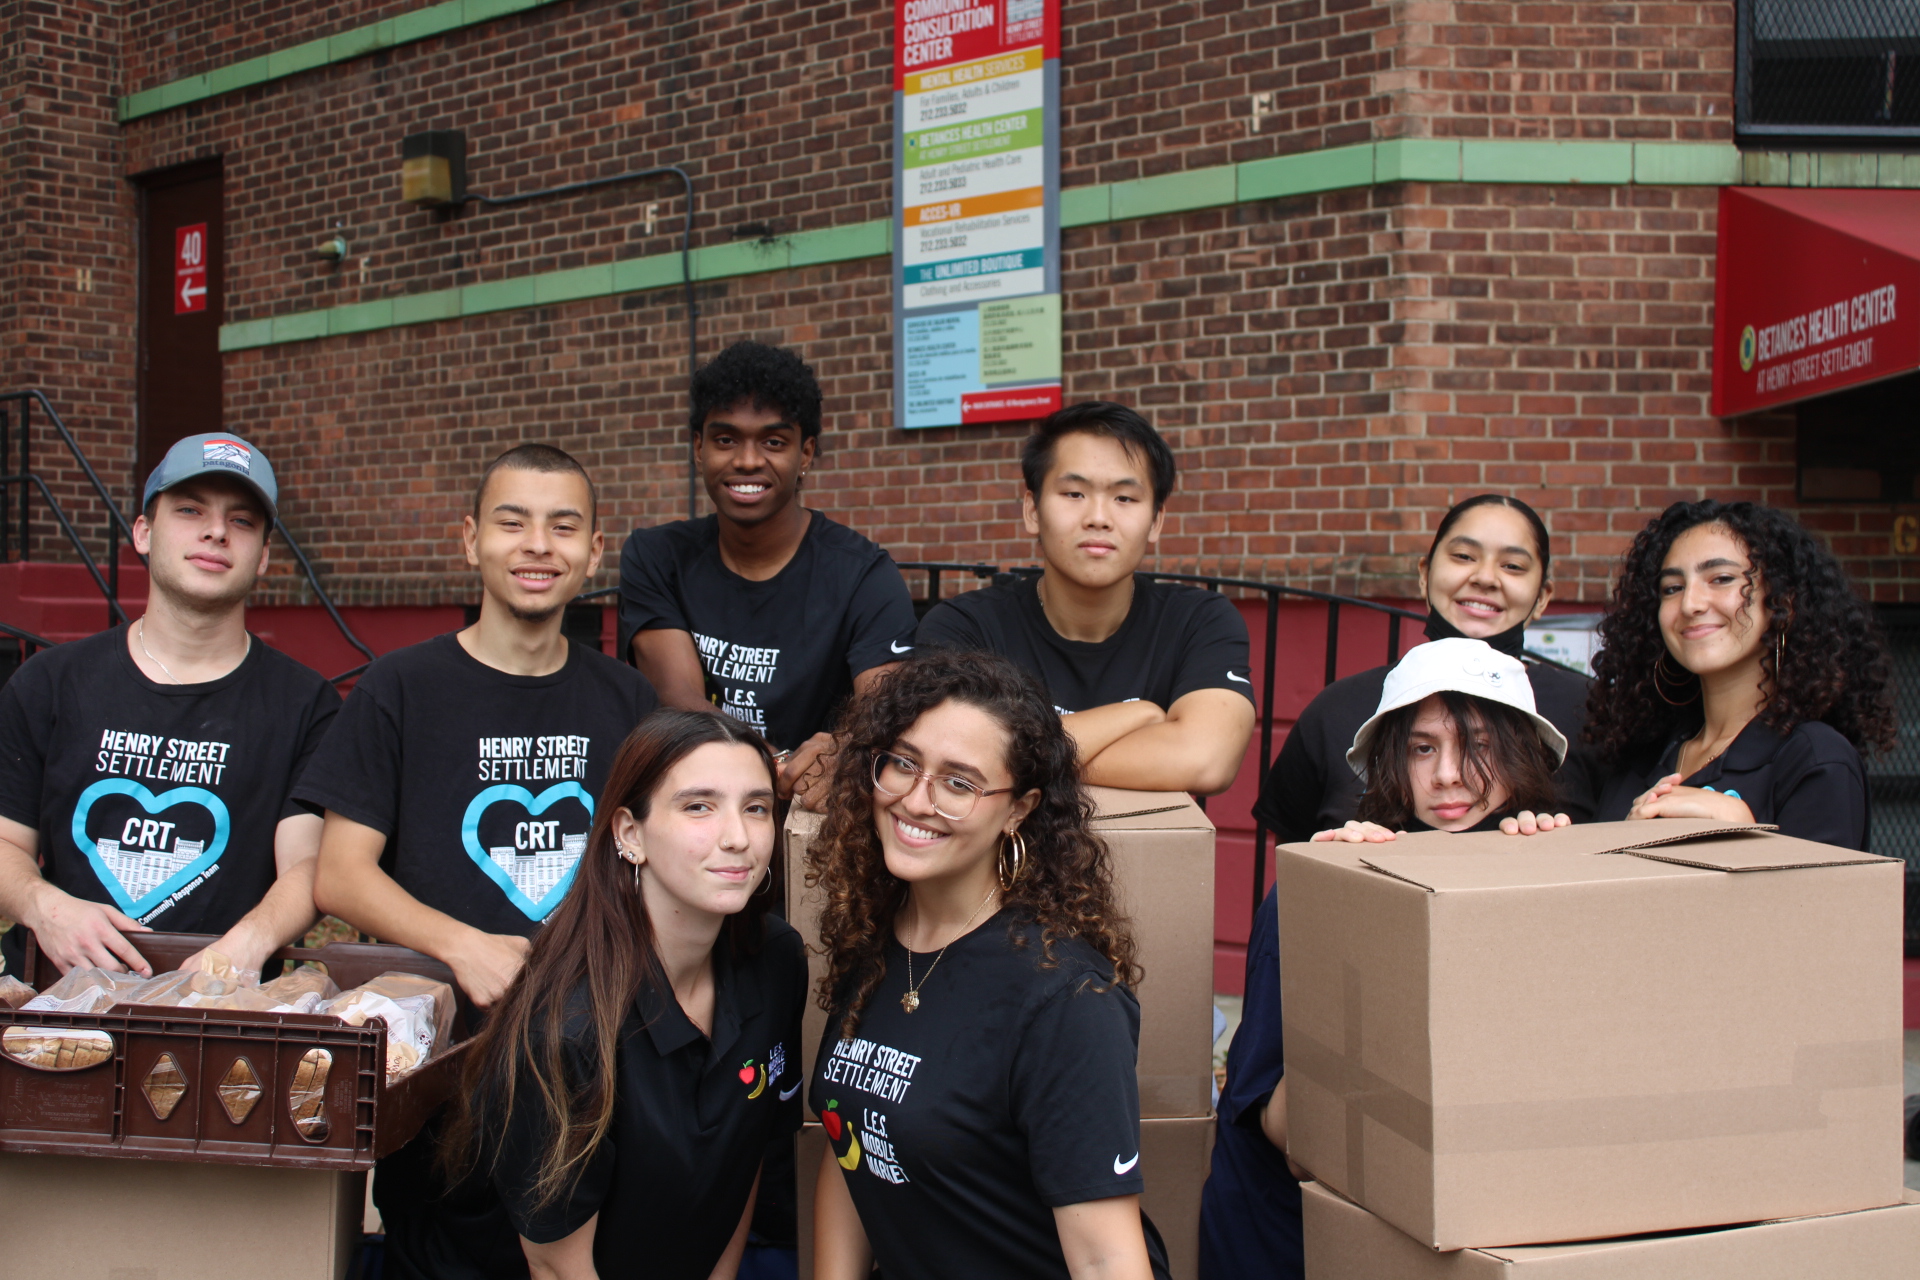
(227, 453)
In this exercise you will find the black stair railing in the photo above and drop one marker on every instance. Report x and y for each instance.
(16, 432)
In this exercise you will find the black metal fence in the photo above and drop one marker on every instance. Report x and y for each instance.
(1831, 69)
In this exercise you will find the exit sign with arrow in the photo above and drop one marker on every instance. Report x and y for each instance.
(190, 269)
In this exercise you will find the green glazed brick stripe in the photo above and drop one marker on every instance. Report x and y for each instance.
(1664, 164)
(344, 47)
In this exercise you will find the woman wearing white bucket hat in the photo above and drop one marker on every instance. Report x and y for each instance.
(1455, 745)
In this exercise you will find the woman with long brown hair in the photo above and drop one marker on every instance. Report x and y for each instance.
(976, 1077)
(621, 1094)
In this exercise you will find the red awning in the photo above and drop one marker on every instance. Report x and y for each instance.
(1814, 291)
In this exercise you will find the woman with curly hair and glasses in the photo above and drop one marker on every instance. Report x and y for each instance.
(976, 1078)
(1740, 678)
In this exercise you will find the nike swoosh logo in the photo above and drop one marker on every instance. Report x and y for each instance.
(1121, 1170)
(897, 647)
(786, 1095)
(1241, 679)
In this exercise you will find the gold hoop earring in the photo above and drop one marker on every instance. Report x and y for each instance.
(1014, 841)
(1659, 671)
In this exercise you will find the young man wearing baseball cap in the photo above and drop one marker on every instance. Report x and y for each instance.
(146, 772)
(1151, 678)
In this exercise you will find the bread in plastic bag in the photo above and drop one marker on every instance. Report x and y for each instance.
(13, 992)
(85, 991)
(418, 1013)
(308, 985)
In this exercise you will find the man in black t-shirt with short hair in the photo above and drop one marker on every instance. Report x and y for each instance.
(766, 610)
(1151, 678)
(146, 772)
(460, 780)
(459, 785)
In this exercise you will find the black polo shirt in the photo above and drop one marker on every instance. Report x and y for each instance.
(691, 1121)
(1311, 787)
(1810, 783)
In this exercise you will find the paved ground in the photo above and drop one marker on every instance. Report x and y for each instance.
(1229, 1007)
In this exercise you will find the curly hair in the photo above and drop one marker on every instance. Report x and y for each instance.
(1821, 656)
(1067, 886)
(767, 377)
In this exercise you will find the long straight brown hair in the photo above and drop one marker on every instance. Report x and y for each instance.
(598, 943)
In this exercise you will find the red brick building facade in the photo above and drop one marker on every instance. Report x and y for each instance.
(1356, 258)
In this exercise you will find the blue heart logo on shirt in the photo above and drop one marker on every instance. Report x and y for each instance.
(141, 877)
(533, 880)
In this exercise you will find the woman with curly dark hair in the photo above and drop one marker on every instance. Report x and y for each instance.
(1740, 678)
(976, 1079)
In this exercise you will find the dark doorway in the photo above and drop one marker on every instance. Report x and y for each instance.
(182, 282)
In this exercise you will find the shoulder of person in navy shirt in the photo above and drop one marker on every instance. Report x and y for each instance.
(1739, 677)
(1455, 743)
(1151, 679)
(459, 783)
(621, 1093)
(1486, 576)
(765, 609)
(975, 1080)
(146, 772)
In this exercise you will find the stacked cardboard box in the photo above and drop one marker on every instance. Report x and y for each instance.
(1162, 848)
(1607, 1031)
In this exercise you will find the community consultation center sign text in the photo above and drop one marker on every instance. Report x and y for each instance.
(976, 181)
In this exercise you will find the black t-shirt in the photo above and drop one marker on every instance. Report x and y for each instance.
(691, 1118)
(1809, 783)
(1010, 1091)
(1175, 639)
(1311, 787)
(483, 782)
(158, 799)
(780, 654)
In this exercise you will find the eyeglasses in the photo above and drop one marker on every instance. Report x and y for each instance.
(953, 797)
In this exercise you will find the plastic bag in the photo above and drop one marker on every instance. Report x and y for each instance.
(13, 992)
(308, 985)
(86, 991)
(418, 1012)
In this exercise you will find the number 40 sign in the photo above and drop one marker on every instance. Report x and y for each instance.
(190, 269)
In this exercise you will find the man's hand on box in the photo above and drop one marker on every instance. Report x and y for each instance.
(1357, 833)
(804, 773)
(1529, 823)
(76, 933)
(485, 965)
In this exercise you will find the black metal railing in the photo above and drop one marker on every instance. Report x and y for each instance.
(16, 432)
(1839, 70)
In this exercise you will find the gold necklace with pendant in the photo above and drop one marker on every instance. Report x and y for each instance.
(911, 1000)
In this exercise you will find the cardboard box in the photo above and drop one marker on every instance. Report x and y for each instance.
(1174, 1157)
(1345, 1242)
(1162, 848)
(93, 1218)
(1494, 1040)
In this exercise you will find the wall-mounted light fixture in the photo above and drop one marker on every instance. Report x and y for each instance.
(433, 168)
(333, 248)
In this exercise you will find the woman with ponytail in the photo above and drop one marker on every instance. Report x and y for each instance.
(621, 1094)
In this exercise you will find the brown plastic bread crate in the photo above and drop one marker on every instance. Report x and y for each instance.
(221, 1086)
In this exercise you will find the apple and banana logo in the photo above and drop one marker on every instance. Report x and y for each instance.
(837, 1125)
(755, 1075)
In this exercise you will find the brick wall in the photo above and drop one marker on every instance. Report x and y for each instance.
(1333, 370)
(68, 258)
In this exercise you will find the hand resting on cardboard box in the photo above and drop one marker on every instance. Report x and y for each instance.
(1668, 799)
(1524, 823)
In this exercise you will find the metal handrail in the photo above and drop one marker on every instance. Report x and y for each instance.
(1274, 592)
(73, 536)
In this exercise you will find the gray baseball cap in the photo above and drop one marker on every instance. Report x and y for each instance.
(221, 453)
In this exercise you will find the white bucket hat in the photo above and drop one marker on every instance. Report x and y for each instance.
(1456, 666)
